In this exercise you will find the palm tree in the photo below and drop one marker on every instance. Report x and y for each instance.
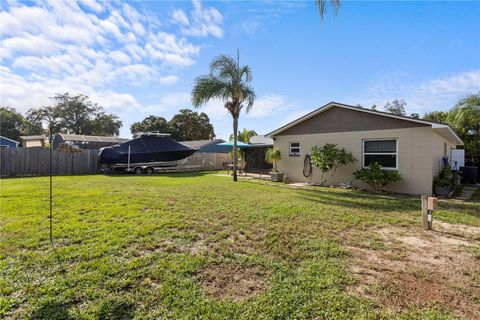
(322, 6)
(465, 120)
(228, 82)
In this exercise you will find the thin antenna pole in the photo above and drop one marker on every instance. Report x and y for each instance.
(50, 129)
(50, 174)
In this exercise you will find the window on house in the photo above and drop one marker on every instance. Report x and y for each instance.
(294, 148)
(382, 151)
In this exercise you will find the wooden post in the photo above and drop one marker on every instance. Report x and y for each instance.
(425, 223)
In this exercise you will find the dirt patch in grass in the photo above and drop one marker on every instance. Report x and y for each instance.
(460, 230)
(420, 268)
(232, 281)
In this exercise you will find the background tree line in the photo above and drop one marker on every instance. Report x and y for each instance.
(463, 117)
(73, 114)
(186, 125)
(77, 114)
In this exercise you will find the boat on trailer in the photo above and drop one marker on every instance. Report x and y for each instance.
(144, 154)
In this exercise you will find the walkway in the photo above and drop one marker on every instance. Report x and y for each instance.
(467, 193)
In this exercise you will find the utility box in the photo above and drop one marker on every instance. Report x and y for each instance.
(432, 203)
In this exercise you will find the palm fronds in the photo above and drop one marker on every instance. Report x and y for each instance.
(322, 6)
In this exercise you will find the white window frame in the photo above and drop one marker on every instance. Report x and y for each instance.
(294, 154)
(381, 153)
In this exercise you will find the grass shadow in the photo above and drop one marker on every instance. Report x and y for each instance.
(369, 202)
(51, 310)
(116, 310)
(187, 174)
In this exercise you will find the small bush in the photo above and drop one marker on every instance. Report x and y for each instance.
(329, 158)
(272, 156)
(445, 178)
(376, 177)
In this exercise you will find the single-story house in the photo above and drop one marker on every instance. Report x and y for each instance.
(86, 142)
(33, 141)
(205, 146)
(414, 147)
(8, 143)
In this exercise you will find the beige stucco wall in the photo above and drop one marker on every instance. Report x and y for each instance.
(416, 156)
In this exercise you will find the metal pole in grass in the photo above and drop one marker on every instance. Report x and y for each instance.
(50, 118)
(48, 114)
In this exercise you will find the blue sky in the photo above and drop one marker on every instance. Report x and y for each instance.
(140, 58)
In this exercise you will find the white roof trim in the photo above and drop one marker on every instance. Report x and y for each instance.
(10, 140)
(330, 105)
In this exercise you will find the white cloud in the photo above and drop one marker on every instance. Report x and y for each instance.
(421, 96)
(179, 16)
(93, 5)
(91, 47)
(170, 79)
(264, 105)
(252, 25)
(215, 109)
(29, 45)
(169, 102)
(120, 57)
(22, 94)
(268, 104)
(202, 23)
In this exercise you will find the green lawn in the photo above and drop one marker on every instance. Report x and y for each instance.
(142, 247)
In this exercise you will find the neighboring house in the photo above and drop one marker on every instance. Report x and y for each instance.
(8, 143)
(86, 142)
(206, 146)
(261, 141)
(255, 156)
(414, 147)
(32, 141)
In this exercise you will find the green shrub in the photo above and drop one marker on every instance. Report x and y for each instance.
(376, 177)
(445, 178)
(272, 156)
(329, 158)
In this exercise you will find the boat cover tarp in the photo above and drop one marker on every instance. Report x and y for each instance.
(146, 149)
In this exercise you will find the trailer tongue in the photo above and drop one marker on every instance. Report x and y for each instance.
(145, 153)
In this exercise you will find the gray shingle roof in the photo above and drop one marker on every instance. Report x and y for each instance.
(261, 140)
(201, 143)
(76, 138)
(25, 138)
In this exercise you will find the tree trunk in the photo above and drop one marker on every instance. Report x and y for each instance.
(235, 154)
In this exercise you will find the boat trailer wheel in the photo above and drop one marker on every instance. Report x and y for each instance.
(138, 170)
(149, 170)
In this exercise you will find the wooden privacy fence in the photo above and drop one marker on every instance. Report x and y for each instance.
(35, 161)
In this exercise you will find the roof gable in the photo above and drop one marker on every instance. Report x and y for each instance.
(340, 122)
(8, 139)
(338, 119)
